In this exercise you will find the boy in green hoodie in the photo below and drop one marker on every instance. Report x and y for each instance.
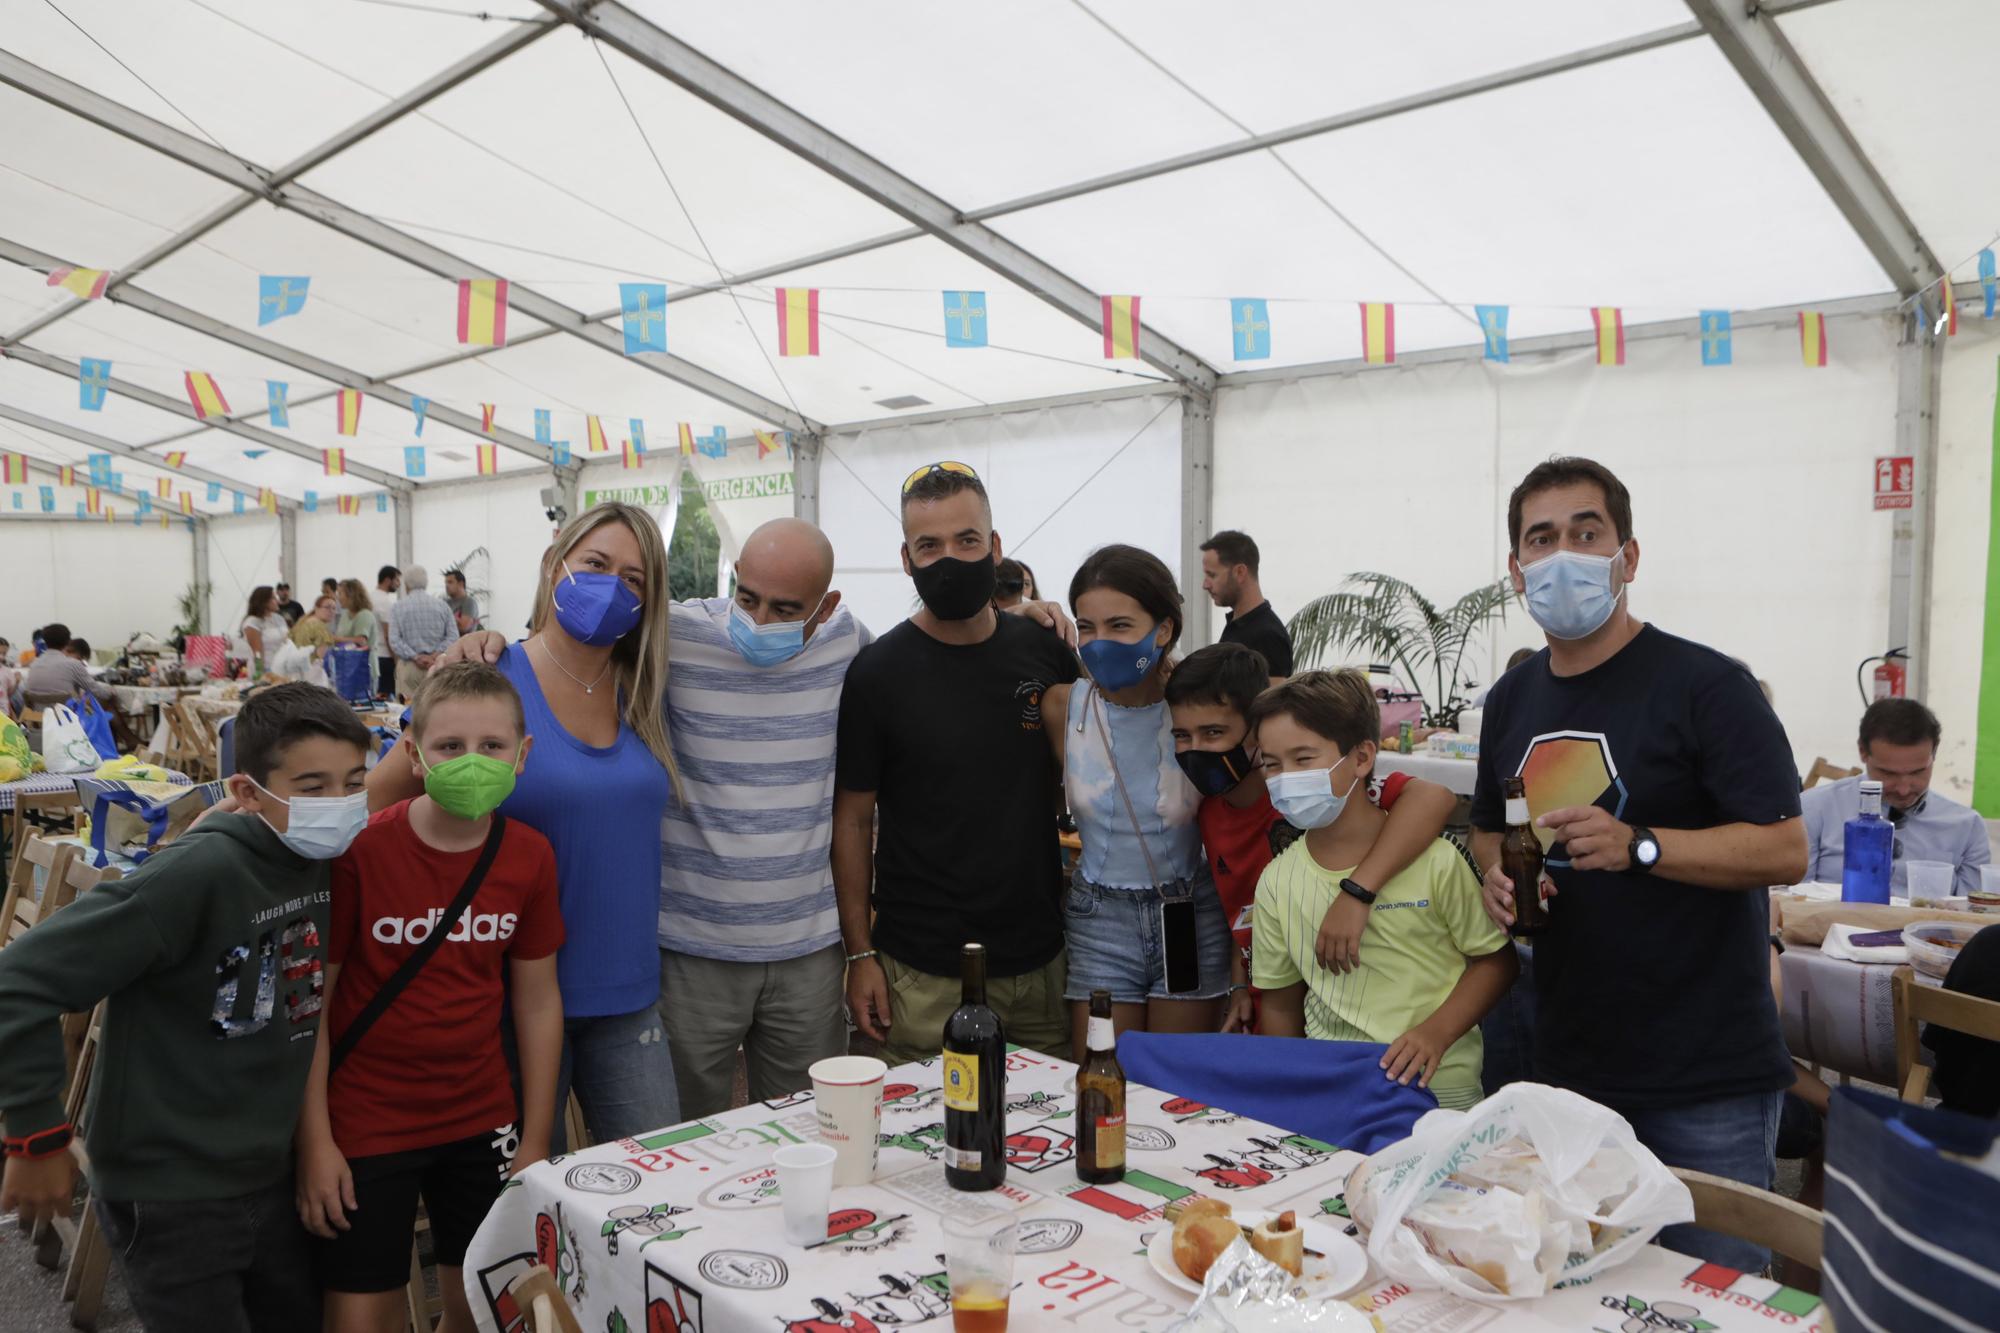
(210, 954)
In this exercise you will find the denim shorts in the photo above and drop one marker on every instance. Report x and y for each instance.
(1114, 941)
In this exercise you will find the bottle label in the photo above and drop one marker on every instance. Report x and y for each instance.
(961, 1081)
(963, 1159)
(1517, 810)
(1110, 1141)
(1099, 1036)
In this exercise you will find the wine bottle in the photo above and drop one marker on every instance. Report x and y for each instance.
(975, 1084)
(1100, 1100)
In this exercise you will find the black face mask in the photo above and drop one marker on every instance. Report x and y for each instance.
(1214, 772)
(955, 589)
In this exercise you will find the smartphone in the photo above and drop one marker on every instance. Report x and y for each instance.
(1178, 945)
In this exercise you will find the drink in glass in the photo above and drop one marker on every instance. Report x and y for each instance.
(979, 1263)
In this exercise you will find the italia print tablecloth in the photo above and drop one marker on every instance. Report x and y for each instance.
(681, 1231)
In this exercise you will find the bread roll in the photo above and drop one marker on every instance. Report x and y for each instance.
(1280, 1240)
(1205, 1229)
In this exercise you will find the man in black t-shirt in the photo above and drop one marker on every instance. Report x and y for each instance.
(940, 736)
(1664, 793)
(1229, 577)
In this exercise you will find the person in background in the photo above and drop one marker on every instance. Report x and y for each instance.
(10, 681)
(1514, 659)
(1229, 563)
(1662, 788)
(355, 625)
(262, 630)
(1899, 744)
(202, 1068)
(422, 1103)
(420, 628)
(1210, 694)
(1431, 963)
(592, 676)
(940, 733)
(1013, 584)
(316, 630)
(288, 606)
(56, 677)
(80, 649)
(1968, 1067)
(387, 580)
(464, 606)
(328, 587)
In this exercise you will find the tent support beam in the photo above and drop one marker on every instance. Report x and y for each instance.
(100, 444)
(683, 66)
(201, 580)
(805, 477)
(288, 546)
(1151, 389)
(405, 543)
(1913, 545)
(1751, 41)
(1197, 511)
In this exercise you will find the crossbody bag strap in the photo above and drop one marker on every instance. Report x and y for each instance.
(1110, 753)
(379, 1002)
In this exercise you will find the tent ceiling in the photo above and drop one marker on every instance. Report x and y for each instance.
(1652, 180)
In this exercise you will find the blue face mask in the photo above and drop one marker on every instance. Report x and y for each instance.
(596, 608)
(1569, 594)
(1120, 666)
(767, 645)
(1306, 798)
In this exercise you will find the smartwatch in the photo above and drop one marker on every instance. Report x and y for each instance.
(1354, 890)
(1645, 849)
(47, 1143)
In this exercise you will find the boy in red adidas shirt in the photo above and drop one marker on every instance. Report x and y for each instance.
(421, 1101)
(1209, 695)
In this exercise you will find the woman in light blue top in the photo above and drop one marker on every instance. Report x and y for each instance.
(1142, 918)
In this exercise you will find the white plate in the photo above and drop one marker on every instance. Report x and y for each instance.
(1340, 1272)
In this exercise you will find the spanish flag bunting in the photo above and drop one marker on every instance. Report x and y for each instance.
(85, 283)
(686, 433)
(267, 499)
(595, 428)
(334, 461)
(14, 469)
(187, 502)
(66, 475)
(633, 457)
(94, 500)
(164, 521)
(1610, 322)
(767, 442)
(1121, 327)
(1378, 333)
(350, 411)
(110, 514)
(1812, 337)
(176, 458)
(486, 411)
(798, 321)
(482, 312)
(1950, 309)
(489, 459)
(348, 504)
(206, 395)
(165, 487)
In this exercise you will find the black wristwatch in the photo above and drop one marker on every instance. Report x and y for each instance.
(1645, 849)
(1353, 890)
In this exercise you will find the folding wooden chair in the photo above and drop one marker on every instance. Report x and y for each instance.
(1822, 771)
(425, 1309)
(1732, 1208)
(49, 861)
(191, 745)
(1916, 1004)
(540, 1298)
(41, 812)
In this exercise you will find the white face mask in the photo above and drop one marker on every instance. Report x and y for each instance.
(1570, 594)
(1306, 797)
(320, 827)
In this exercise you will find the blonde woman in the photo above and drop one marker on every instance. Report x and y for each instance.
(592, 675)
(354, 627)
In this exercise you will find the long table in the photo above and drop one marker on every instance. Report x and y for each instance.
(679, 1231)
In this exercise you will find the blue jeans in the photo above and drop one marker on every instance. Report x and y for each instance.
(1509, 1031)
(1114, 941)
(1734, 1137)
(623, 1075)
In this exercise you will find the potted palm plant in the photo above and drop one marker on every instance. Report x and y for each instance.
(1388, 620)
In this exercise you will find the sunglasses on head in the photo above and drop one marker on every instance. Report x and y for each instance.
(962, 469)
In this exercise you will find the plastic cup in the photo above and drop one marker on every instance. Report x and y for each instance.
(805, 1188)
(1930, 879)
(847, 1097)
(1989, 879)
(979, 1263)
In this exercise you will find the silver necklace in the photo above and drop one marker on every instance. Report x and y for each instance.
(589, 687)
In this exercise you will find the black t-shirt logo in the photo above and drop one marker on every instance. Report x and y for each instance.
(1028, 694)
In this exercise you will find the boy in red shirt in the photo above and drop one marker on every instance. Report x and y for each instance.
(1209, 695)
(421, 1102)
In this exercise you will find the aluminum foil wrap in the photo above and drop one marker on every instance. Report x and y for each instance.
(1247, 1293)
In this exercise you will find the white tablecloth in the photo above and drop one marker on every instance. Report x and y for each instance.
(679, 1231)
(1841, 1015)
(1457, 775)
(138, 698)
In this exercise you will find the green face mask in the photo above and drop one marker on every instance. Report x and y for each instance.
(470, 786)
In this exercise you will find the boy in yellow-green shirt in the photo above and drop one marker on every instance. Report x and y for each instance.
(1432, 962)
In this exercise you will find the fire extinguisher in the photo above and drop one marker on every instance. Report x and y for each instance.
(1891, 676)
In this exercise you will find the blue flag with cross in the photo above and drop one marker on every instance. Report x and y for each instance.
(1716, 338)
(413, 460)
(100, 469)
(1250, 328)
(1987, 280)
(278, 297)
(277, 403)
(542, 426)
(48, 499)
(236, 502)
(965, 319)
(715, 444)
(214, 491)
(93, 380)
(643, 310)
(1493, 328)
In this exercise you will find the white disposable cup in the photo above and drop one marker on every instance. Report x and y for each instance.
(1930, 879)
(805, 1188)
(1989, 879)
(847, 1097)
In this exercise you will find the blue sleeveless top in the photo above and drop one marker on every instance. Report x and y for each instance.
(1162, 797)
(600, 808)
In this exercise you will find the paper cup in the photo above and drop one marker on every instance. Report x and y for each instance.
(847, 1096)
(805, 1189)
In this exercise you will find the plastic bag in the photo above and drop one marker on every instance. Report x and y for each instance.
(288, 659)
(1531, 1186)
(132, 819)
(66, 746)
(97, 726)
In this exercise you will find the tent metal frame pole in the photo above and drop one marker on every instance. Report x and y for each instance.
(288, 546)
(201, 580)
(806, 453)
(1151, 389)
(1912, 548)
(405, 534)
(1197, 510)
(383, 116)
(90, 440)
(680, 64)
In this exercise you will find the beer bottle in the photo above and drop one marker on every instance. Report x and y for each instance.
(1100, 1101)
(1521, 862)
(975, 1084)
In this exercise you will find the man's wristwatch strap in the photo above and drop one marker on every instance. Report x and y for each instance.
(1354, 890)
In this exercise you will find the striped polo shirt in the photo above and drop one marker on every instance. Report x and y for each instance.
(747, 871)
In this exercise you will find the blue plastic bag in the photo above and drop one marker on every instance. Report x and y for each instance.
(97, 726)
(352, 673)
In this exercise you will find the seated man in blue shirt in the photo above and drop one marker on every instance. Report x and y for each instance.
(1899, 743)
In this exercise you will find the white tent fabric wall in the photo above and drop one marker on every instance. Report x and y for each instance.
(242, 553)
(507, 519)
(1750, 498)
(106, 581)
(1963, 490)
(1052, 505)
(336, 545)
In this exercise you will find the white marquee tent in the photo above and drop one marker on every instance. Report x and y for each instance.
(1663, 157)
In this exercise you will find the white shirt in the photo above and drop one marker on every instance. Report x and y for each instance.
(384, 603)
(1939, 829)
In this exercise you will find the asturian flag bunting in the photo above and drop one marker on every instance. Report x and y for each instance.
(489, 459)
(1610, 324)
(48, 499)
(205, 394)
(965, 319)
(643, 311)
(93, 381)
(1378, 333)
(482, 312)
(715, 444)
(418, 407)
(798, 321)
(85, 283)
(1493, 328)
(543, 428)
(215, 492)
(381, 502)
(279, 297)
(1121, 327)
(311, 504)
(350, 411)
(100, 469)
(559, 452)
(413, 460)
(277, 393)
(1812, 337)
(1988, 282)
(1717, 338)
(595, 428)
(1250, 328)
(334, 462)
(236, 502)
